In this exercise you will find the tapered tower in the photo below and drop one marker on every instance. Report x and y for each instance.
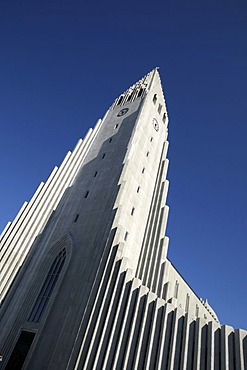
(86, 283)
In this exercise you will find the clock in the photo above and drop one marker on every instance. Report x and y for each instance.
(122, 112)
(155, 124)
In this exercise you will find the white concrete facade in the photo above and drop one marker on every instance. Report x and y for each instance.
(86, 283)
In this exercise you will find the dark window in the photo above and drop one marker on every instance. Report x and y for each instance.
(103, 155)
(130, 97)
(143, 170)
(138, 189)
(126, 235)
(132, 211)
(47, 287)
(20, 351)
(95, 173)
(151, 139)
(140, 93)
(160, 107)
(155, 98)
(116, 126)
(86, 194)
(147, 154)
(120, 100)
(110, 140)
(164, 117)
(76, 218)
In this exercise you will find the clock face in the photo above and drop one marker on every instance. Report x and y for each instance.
(155, 124)
(122, 112)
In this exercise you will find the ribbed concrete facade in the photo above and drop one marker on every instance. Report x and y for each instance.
(85, 279)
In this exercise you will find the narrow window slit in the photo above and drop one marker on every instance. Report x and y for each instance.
(86, 194)
(76, 218)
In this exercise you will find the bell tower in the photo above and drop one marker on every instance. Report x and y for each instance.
(86, 280)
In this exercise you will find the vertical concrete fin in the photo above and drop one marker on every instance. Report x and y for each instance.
(33, 216)
(152, 335)
(124, 336)
(210, 346)
(185, 341)
(239, 348)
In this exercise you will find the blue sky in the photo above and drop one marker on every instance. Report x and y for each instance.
(62, 63)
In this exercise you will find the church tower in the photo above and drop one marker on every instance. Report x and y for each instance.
(85, 279)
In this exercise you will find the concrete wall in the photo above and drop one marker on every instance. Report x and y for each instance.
(116, 302)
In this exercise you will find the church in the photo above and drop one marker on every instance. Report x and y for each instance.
(85, 279)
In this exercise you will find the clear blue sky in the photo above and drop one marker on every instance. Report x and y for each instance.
(62, 63)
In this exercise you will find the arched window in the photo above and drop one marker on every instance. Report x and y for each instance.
(47, 287)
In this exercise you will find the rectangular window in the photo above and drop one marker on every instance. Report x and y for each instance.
(95, 173)
(20, 351)
(140, 93)
(126, 235)
(116, 126)
(132, 211)
(110, 140)
(160, 107)
(138, 189)
(103, 155)
(86, 194)
(147, 154)
(143, 170)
